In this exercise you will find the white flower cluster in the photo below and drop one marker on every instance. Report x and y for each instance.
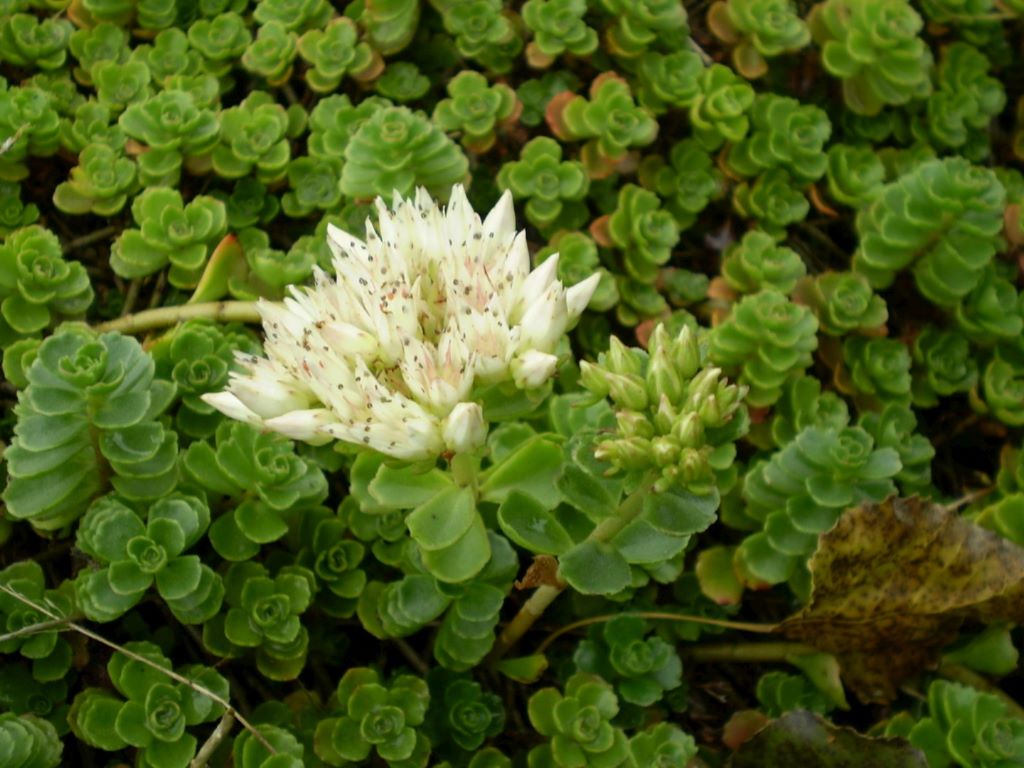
(387, 353)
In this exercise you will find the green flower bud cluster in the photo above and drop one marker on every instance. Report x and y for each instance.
(475, 109)
(675, 415)
(152, 712)
(376, 719)
(769, 339)
(756, 262)
(784, 134)
(169, 232)
(552, 188)
(877, 369)
(964, 726)
(50, 653)
(966, 99)
(397, 150)
(687, 182)
(578, 726)
(27, 741)
(87, 420)
(134, 555)
(855, 174)
(943, 218)
(263, 615)
(757, 30)
(874, 48)
(263, 474)
(37, 284)
(800, 491)
(641, 668)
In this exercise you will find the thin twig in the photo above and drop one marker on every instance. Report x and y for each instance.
(10, 141)
(411, 656)
(967, 499)
(747, 652)
(741, 626)
(162, 317)
(201, 690)
(92, 237)
(131, 296)
(210, 745)
(32, 629)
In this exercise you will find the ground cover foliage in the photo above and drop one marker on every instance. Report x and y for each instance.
(735, 480)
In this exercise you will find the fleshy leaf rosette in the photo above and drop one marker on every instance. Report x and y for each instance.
(387, 355)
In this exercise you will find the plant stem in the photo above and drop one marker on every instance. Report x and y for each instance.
(210, 745)
(534, 608)
(749, 652)
(161, 317)
(411, 656)
(200, 689)
(89, 239)
(959, 674)
(740, 626)
(131, 296)
(31, 629)
(967, 499)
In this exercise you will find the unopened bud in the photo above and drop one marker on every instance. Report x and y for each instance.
(594, 379)
(665, 450)
(628, 391)
(690, 431)
(465, 429)
(686, 353)
(702, 385)
(659, 340)
(630, 453)
(620, 359)
(710, 412)
(662, 378)
(665, 416)
(633, 424)
(693, 467)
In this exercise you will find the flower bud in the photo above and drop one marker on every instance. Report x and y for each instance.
(690, 431)
(710, 412)
(532, 368)
(662, 377)
(630, 453)
(633, 424)
(693, 467)
(686, 353)
(619, 359)
(665, 450)
(702, 385)
(594, 378)
(465, 429)
(665, 417)
(627, 391)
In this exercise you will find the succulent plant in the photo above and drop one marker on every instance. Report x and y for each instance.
(334, 52)
(155, 712)
(769, 339)
(784, 134)
(390, 24)
(663, 745)
(876, 368)
(779, 692)
(376, 719)
(482, 32)
(854, 173)
(169, 232)
(27, 741)
(800, 491)
(992, 311)
(641, 668)
(948, 245)
(397, 150)
(475, 109)
(639, 26)
(14, 214)
(757, 262)
(30, 124)
(773, 201)
(101, 183)
(28, 41)
(134, 555)
(462, 711)
(1002, 384)
(334, 558)
(578, 725)
(295, 15)
(558, 27)
(118, 85)
(37, 284)
(895, 426)
(720, 113)
(757, 30)
(88, 418)
(643, 231)
(943, 365)
(554, 189)
(577, 260)
(220, 40)
(668, 80)
(104, 42)
(874, 48)
(844, 302)
(50, 653)
(688, 181)
(401, 82)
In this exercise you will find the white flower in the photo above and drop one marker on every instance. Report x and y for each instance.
(387, 353)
